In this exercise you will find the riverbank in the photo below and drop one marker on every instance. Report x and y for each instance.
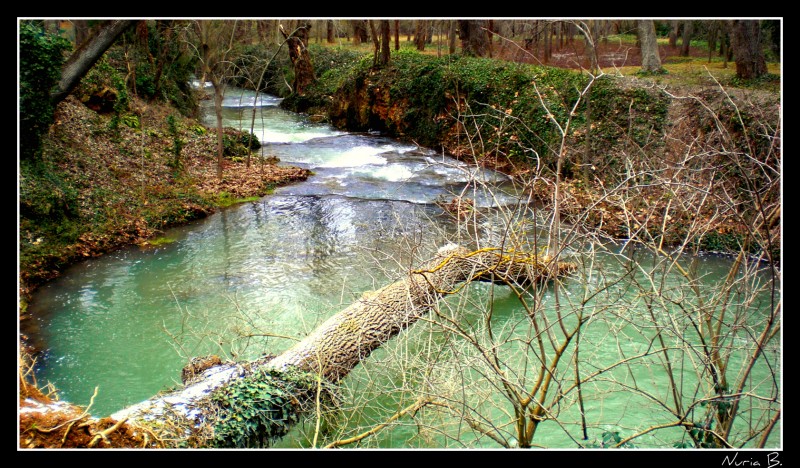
(646, 202)
(103, 184)
(694, 167)
(636, 156)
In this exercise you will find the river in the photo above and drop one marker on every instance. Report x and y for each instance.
(250, 279)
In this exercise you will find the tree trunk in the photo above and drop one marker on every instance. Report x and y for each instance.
(385, 39)
(359, 31)
(713, 32)
(474, 40)
(297, 42)
(82, 60)
(419, 34)
(164, 28)
(451, 37)
(686, 38)
(356, 33)
(560, 42)
(747, 51)
(376, 42)
(328, 354)
(725, 43)
(330, 31)
(608, 26)
(548, 42)
(264, 31)
(590, 49)
(588, 155)
(220, 131)
(673, 33)
(489, 35)
(81, 31)
(429, 32)
(651, 61)
(772, 33)
(396, 34)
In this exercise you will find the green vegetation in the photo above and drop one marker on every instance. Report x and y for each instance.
(158, 241)
(177, 143)
(632, 162)
(503, 114)
(237, 143)
(506, 106)
(225, 199)
(41, 56)
(260, 408)
(161, 65)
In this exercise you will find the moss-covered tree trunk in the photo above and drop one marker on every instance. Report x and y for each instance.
(208, 409)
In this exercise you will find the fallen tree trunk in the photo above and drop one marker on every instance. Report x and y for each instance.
(253, 403)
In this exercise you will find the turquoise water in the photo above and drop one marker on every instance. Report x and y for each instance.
(253, 278)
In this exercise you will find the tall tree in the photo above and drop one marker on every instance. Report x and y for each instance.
(330, 31)
(265, 30)
(451, 37)
(771, 29)
(686, 38)
(747, 48)
(396, 34)
(297, 41)
(82, 31)
(674, 25)
(376, 41)
(215, 42)
(420, 28)
(385, 38)
(712, 35)
(40, 57)
(359, 31)
(164, 29)
(474, 37)
(587, 28)
(548, 46)
(651, 61)
(429, 32)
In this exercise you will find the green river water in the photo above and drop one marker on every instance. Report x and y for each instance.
(247, 279)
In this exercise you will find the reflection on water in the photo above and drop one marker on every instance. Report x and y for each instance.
(284, 262)
(238, 282)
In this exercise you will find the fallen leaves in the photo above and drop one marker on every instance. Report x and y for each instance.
(124, 188)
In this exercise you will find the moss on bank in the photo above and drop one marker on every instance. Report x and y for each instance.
(498, 112)
(627, 146)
